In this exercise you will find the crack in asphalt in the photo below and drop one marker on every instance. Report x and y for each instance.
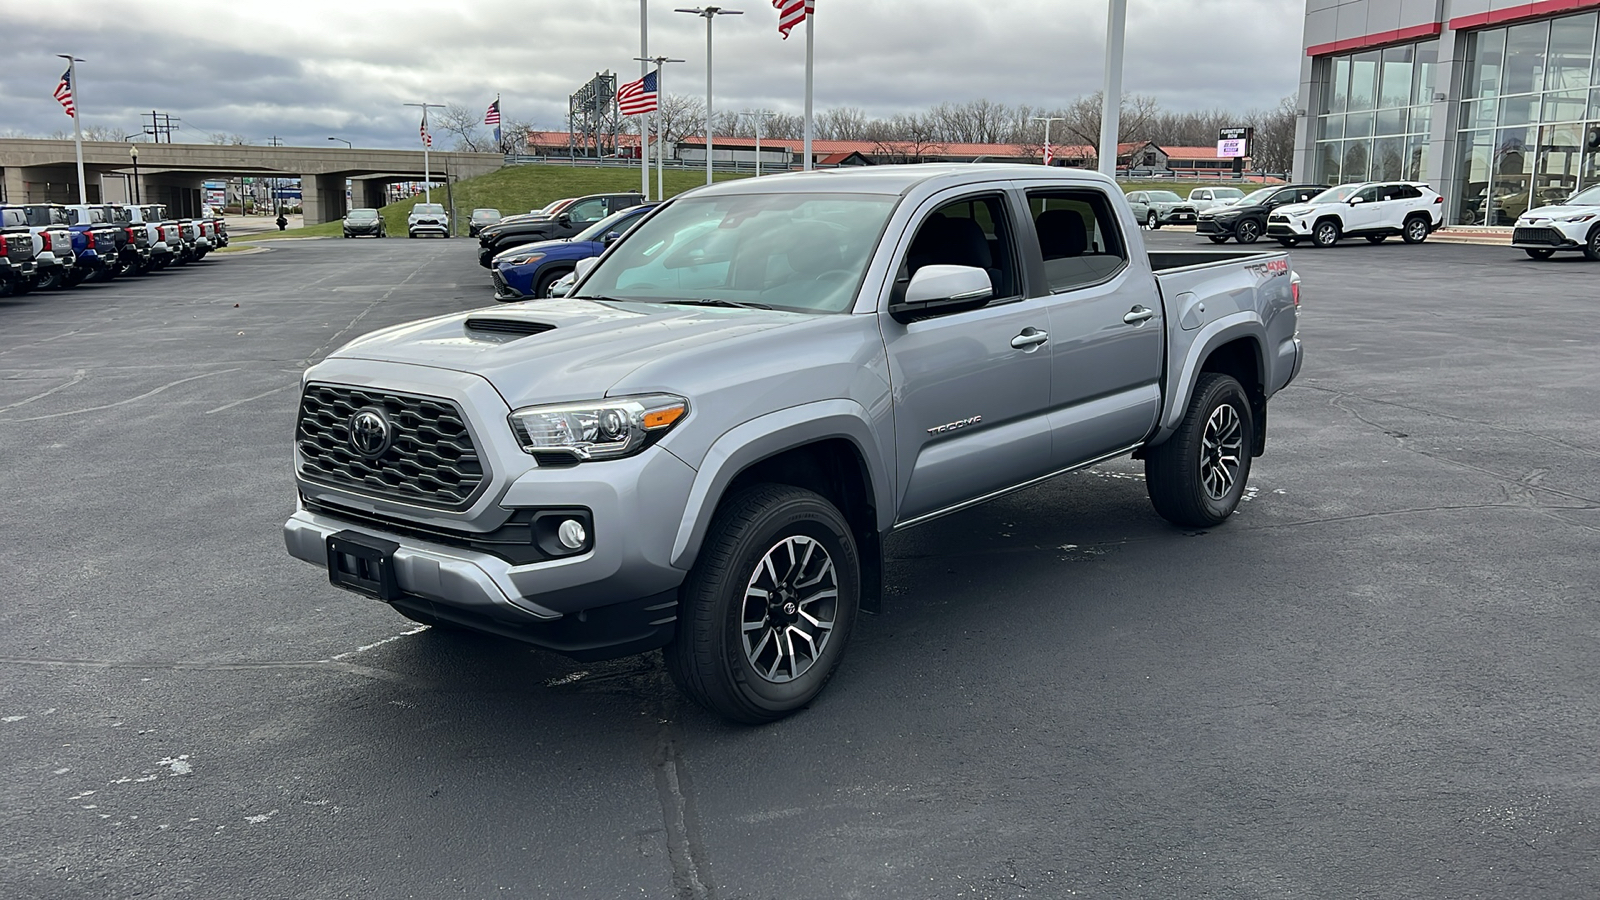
(143, 396)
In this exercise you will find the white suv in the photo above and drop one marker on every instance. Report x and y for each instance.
(1370, 209)
(1573, 224)
(428, 218)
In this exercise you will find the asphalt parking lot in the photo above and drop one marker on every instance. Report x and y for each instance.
(1377, 681)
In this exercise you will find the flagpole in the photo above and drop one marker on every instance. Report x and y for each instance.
(644, 72)
(77, 123)
(810, 33)
(661, 139)
(427, 139)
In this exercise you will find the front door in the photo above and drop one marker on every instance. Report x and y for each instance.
(971, 388)
(1106, 326)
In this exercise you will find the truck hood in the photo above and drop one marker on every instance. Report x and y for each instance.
(589, 348)
(1559, 212)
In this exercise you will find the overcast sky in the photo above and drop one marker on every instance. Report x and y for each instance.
(307, 69)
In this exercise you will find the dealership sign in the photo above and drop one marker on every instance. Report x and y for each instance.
(1234, 143)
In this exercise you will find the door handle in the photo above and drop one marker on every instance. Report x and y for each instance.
(1138, 314)
(1030, 338)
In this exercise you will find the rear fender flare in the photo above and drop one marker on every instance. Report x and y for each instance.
(1225, 330)
(767, 436)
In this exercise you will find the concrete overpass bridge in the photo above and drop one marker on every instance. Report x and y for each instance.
(38, 171)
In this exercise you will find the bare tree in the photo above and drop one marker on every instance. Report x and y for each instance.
(974, 122)
(1133, 122)
(1273, 148)
(680, 116)
(227, 139)
(905, 138)
(466, 125)
(842, 123)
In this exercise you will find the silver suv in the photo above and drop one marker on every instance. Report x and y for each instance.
(428, 218)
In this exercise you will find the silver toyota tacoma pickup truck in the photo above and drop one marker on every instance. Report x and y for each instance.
(704, 446)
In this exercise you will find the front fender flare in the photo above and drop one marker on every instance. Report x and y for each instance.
(766, 436)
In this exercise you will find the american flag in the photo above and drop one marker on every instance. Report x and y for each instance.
(492, 117)
(638, 97)
(1049, 153)
(427, 139)
(792, 13)
(64, 93)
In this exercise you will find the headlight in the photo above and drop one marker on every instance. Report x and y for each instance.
(1582, 217)
(600, 429)
(515, 258)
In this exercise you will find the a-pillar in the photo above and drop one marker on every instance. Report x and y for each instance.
(322, 198)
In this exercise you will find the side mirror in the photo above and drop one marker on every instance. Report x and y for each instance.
(582, 267)
(936, 289)
(610, 237)
(564, 220)
(1355, 200)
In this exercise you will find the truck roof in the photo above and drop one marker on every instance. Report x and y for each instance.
(899, 179)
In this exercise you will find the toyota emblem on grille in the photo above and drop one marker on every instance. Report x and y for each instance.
(369, 432)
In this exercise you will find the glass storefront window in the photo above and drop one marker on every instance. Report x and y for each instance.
(1525, 55)
(1363, 80)
(1519, 110)
(1394, 87)
(1416, 164)
(1485, 52)
(1479, 114)
(1388, 159)
(1358, 125)
(1565, 106)
(1330, 127)
(1339, 85)
(1390, 121)
(1422, 86)
(1571, 53)
(1421, 120)
(1357, 159)
(1560, 157)
(1477, 153)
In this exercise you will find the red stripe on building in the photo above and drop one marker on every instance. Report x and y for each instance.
(1520, 11)
(1382, 38)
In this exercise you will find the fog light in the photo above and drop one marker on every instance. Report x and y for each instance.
(572, 534)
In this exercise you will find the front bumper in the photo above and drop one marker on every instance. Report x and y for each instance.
(506, 285)
(435, 227)
(1551, 236)
(1213, 226)
(1176, 217)
(614, 599)
(1299, 228)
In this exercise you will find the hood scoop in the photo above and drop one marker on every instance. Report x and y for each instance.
(501, 330)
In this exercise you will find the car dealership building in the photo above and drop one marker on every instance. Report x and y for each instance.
(1496, 103)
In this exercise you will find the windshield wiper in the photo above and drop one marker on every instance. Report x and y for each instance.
(712, 301)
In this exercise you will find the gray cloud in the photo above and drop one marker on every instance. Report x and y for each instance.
(304, 70)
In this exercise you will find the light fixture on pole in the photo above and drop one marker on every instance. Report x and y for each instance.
(347, 144)
(655, 119)
(1048, 154)
(760, 118)
(427, 143)
(133, 152)
(1111, 92)
(708, 13)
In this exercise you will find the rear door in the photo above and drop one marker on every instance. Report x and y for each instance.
(1106, 325)
(972, 387)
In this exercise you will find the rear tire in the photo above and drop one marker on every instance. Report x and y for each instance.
(1195, 478)
(1591, 246)
(1415, 231)
(1539, 253)
(768, 608)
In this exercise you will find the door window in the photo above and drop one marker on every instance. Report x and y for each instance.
(588, 211)
(972, 231)
(1078, 237)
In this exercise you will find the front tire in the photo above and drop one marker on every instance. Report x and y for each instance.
(1248, 231)
(1195, 478)
(542, 289)
(1326, 233)
(768, 608)
(1152, 221)
(1538, 253)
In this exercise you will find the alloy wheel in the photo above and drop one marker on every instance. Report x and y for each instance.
(1221, 450)
(790, 605)
(1247, 232)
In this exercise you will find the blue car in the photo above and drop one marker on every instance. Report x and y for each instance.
(526, 272)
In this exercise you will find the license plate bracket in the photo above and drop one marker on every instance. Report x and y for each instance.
(364, 564)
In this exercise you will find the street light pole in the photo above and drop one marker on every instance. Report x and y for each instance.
(1111, 96)
(709, 13)
(1046, 120)
(347, 144)
(134, 152)
(427, 173)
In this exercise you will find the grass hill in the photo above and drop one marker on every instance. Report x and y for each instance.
(518, 189)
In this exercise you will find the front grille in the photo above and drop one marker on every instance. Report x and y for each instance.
(430, 459)
(499, 280)
(1537, 236)
(1277, 218)
(1207, 226)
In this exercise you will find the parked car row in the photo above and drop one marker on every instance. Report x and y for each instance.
(49, 246)
(531, 271)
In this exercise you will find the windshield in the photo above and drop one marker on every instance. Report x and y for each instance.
(436, 209)
(1337, 194)
(1260, 196)
(154, 213)
(46, 215)
(362, 215)
(1585, 197)
(803, 252)
(1164, 197)
(1226, 194)
(483, 215)
(617, 221)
